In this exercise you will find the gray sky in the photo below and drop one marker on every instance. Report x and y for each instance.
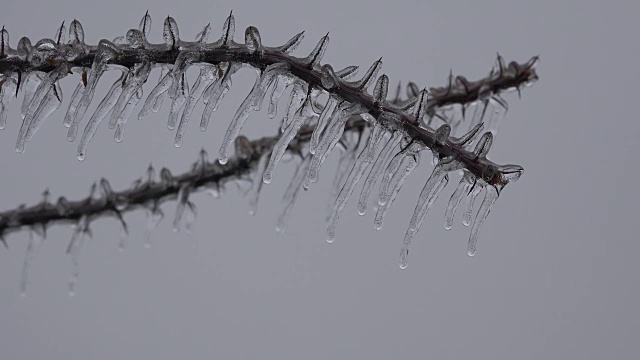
(555, 274)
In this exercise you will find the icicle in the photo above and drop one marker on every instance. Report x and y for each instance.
(350, 144)
(31, 83)
(33, 247)
(327, 112)
(436, 187)
(383, 158)
(128, 109)
(299, 119)
(7, 88)
(178, 102)
(401, 167)
(330, 138)
(154, 217)
(291, 193)
(78, 241)
(170, 33)
(256, 184)
(101, 112)
(106, 50)
(471, 199)
(205, 78)
(282, 82)
(490, 197)
(252, 39)
(73, 104)
(180, 67)
(129, 95)
(183, 199)
(214, 94)
(154, 100)
(454, 201)
(254, 97)
(296, 98)
(49, 104)
(365, 159)
(145, 25)
(316, 55)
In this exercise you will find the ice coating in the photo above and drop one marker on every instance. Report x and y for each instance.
(376, 170)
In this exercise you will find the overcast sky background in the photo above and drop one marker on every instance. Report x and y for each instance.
(555, 275)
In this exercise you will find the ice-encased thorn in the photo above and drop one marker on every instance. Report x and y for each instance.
(369, 77)
(228, 30)
(300, 117)
(328, 112)
(170, 33)
(154, 216)
(347, 73)
(509, 174)
(252, 39)
(76, 32)
(155, 97)
(313, 59)
(484, 145)
(106, 189)
(145, 25)
(412, 90)
(101, 112)
(420, 106)
(203, 36)
(472, 194)
(151, 174)
(401, 167)
(378, 166)
(470, 136)
(328, 77)
(205, 78)
(380, 90)
(178, 102)
(126, 112)
(490, 197)
(243, 148)
(454, 201)
(24, 48)
(180, 67)
(435, 184)
(290, 45)
(165, 177)
(59, 37)
(4, 42)
(62, 206)
(214, 94)
(135, 38)
(364, 160)
(256, 183)
(442, 134)
(203, 160)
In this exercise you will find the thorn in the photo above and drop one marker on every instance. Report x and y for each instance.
(19, 81)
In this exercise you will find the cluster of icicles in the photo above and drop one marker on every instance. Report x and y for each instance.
(388, 154)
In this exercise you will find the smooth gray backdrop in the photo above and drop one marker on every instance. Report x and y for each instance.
(555, 276)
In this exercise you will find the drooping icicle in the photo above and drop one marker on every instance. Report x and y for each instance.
(105, 106)
(472, 194)
(215, 92)
(105, 52)
(296, 98)
(282, 82)
(256, 184)
(454, 201)
(73, 104)
(31, 83)
(249, 104)
(299, 119)
(205, 78)
(439, 183)
(126, 112)
(349, 145)
(33, 247)
(490, 197)
(154, 100)
(378, 167)
(398, 171)
(128, 97)
(78, 240)
(178, 102)
(291, 193)
(330, 138)
(49, 104)
(7, 89)
(364, 160)
(327, 113)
